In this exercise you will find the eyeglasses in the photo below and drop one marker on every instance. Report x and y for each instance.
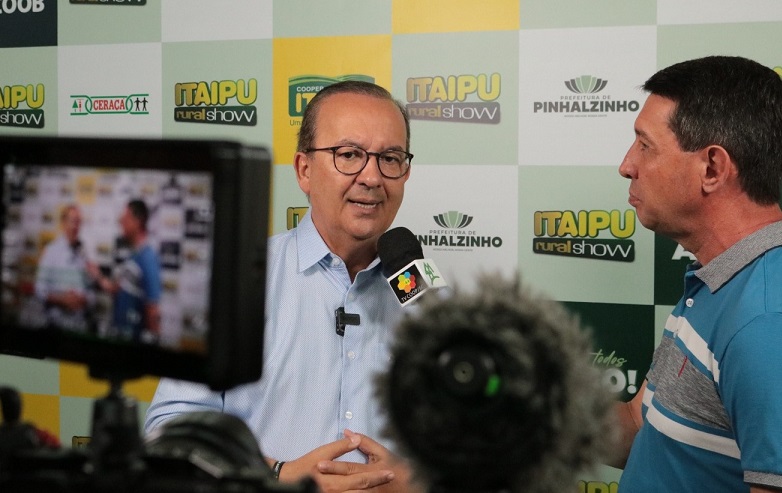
(351, 160)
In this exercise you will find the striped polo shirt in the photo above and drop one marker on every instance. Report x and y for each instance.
(713, 403)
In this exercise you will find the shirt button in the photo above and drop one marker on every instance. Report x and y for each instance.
(689, 302)
(348, 415)
(335, 262)
(351, 355)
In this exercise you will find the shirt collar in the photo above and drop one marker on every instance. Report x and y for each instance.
(311, 247)
(726, 265)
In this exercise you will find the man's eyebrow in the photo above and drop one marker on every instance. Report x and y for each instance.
(641, 133)
(350, 143)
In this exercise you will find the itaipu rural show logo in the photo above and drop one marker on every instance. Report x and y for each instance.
(302, 88)
(109, 2)
(586, 98)
(21, 106)
(224, 102)
(131, 104)
(452, 235)
(455, 98)
(583, 234)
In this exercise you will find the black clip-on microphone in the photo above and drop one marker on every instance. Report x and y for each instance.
(344, 319)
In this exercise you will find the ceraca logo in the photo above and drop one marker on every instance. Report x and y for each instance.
(453, 236)
(131, 104)
(302, 88)
(455, 98)
(224, 102)
(578, 234)
(586, 98)
(21, 106)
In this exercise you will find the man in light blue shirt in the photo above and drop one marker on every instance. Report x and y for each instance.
(62, 282)
(352, 162)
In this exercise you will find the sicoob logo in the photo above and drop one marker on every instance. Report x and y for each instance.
(28, 23)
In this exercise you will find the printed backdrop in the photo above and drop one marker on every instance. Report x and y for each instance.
(521, 113)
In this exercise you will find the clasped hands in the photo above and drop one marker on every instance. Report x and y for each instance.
(383, 471)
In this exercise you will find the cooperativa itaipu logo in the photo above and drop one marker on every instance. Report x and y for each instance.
(302, 88)
(583, 234)
(455, 98)
(131, 104)
(453, 236)
(223, 102)
(21, 106)
(586, 98)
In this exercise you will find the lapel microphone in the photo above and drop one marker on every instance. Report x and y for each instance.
(344, 319)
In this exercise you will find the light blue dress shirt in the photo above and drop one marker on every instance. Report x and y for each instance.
(63, 268)
(315, 383)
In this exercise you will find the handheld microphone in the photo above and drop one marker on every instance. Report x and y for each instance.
(493, 391)
(409, 274)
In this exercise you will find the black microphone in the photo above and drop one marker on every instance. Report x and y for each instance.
(493, 390)
(409, 274)
(343, 319)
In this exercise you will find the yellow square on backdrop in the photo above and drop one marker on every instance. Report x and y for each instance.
(43, 411)
(303, 66)
(75, 381)
(445, 16)
(86, 188)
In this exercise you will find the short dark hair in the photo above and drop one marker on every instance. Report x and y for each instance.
(308, 127)
(138, 209)
(732, 102)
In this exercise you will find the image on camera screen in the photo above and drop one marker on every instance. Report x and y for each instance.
(120, 255)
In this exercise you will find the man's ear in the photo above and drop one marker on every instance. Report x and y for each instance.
(718, 168)
(302, 168)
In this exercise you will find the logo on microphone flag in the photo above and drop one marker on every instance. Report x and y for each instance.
(414, 279)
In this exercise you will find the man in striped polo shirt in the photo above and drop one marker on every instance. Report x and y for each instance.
(705, 169)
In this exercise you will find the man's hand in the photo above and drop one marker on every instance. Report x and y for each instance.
(343, 476)
(379, 459)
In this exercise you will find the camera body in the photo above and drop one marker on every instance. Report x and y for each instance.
(192, 309)
(205, 452)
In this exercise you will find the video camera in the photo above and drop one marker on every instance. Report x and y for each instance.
(78, 284)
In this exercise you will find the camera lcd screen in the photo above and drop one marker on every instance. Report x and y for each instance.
(135, 256)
